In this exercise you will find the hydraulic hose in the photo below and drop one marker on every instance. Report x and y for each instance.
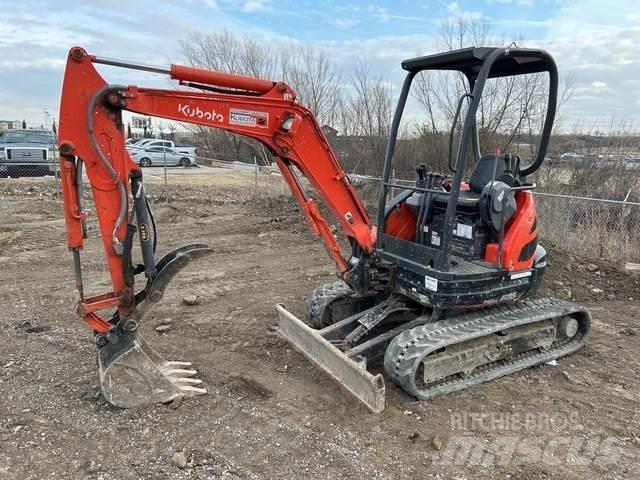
(117, 244)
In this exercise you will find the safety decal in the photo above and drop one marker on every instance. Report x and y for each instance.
(144, 232)
(464, 231)
(435, 239)
(248, 118)
(515, 276)
(431, 283)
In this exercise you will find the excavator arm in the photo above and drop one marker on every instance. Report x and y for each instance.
(91, 137)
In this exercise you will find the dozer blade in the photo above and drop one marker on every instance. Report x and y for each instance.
(352, 376)
(132, 374)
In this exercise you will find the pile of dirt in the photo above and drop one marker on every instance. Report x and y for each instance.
(193, 195)
(28, 188)
(587, 280)
(281, 211)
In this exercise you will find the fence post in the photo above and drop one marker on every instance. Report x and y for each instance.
(56, 174)
(166, 182)
(393, 177)
(56, 171)
(255, 163)
(623, 235)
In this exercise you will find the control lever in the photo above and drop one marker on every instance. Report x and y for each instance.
(421, 170)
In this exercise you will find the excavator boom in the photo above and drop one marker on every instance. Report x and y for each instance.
(92, 137)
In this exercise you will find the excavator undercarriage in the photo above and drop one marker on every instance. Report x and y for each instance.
(428, 357)
(437, 295)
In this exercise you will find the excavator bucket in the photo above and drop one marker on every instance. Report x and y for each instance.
(349, 373)
(132, 374)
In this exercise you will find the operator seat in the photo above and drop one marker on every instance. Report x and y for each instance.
(491, 167)
(490, 175)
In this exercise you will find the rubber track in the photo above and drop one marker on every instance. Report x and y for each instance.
(320, 298)
(406, 351)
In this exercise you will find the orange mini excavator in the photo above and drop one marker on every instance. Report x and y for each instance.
(433, 294)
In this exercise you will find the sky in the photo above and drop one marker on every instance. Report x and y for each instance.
(596, 42)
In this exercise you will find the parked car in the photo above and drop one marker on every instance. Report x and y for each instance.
(145, 143)
(155, 157)
(26, 152)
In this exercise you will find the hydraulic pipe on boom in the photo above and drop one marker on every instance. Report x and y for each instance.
(92, 135)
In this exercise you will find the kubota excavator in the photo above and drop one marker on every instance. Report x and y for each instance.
(432, 294)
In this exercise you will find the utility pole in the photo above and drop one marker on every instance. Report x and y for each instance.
(47, 118)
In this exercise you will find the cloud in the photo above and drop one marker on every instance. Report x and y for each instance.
(33, 48)
(593, 41)
(46, 63)
(457, 12)
(596, 44)
(255, 6)
(378, 12)
(343, 23)
(522, 3)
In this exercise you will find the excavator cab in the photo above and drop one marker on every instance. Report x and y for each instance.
(467, 237)
(456, 254)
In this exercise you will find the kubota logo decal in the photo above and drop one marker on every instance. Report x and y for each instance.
(248, 118)
(191, 112)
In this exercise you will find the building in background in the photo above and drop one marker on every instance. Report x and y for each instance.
(141, 126)
(9, 124)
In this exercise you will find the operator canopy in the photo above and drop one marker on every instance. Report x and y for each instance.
(470, 60)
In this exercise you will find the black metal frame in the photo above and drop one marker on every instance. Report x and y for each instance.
(477, 64)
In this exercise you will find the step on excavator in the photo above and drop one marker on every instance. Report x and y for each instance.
(437, 295)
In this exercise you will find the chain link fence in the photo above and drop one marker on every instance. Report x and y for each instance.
(19, 168)
(166, 182)
(29, 153)
(592, 227)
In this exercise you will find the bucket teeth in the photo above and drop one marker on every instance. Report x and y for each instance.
(188, 381)
(132, 374)
(179, 364)
(176, 374)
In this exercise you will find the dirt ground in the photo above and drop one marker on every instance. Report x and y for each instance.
(269, 414)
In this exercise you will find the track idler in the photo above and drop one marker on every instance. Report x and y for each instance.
(132, 374)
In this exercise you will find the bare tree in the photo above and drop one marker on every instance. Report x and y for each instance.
(226, 52)
(359, 104)
(310, 72)
(366, 113)
(314, 78)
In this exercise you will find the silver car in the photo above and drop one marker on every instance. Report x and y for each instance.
(157, 156)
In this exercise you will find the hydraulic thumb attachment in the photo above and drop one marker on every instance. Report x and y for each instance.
(132, 374)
